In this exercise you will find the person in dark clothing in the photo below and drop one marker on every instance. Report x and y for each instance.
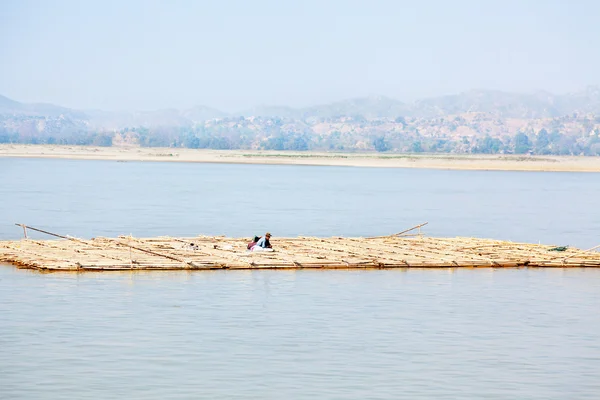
(264, 242)
(253, 242)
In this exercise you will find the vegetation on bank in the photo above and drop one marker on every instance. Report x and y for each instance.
(477, 134)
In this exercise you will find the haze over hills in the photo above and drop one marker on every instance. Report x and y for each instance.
(9, 106)
(453, 123)
(502, 104)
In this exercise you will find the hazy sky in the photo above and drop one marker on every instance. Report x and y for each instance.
(145, 54)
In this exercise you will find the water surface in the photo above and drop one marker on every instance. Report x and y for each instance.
(107, 198)
(412, 334)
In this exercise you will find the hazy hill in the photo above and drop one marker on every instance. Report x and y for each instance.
(367, 107)
(270, 111)
(500, 104)
(586, 101)
(508, 105)
(202, 113)
(119, 120)
(8, 106)
(511, 105)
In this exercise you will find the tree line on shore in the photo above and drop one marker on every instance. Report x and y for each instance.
(276, 134)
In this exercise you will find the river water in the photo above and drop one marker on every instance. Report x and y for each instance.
(414, 334)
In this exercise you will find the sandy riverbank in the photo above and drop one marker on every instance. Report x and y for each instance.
(382, 160)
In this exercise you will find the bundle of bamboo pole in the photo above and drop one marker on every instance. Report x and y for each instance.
(402, 250)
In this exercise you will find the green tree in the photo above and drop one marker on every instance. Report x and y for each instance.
(555, 136)
(522, 144)
(417, 147)
(299, 143)
(275, 143)
(191, 141)
(381, 144)
(102, 139)
(488, 145)
(542, 142)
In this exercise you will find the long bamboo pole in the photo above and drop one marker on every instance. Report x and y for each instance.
(42, 231)
(399, 233)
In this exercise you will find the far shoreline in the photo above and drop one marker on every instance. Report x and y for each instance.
(480, 162)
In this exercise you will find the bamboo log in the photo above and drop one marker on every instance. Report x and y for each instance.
(119, 243)
(42, 231)
(400, 233)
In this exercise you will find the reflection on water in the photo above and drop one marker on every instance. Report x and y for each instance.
(418, 334)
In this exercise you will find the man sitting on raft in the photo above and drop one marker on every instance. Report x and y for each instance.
(263, 243)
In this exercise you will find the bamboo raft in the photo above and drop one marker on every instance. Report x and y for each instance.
(209, 253)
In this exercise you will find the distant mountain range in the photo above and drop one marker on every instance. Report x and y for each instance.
(478, 121)
(501, 104)
(8, 106)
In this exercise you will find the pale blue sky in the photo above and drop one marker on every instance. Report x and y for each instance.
(141, 55)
